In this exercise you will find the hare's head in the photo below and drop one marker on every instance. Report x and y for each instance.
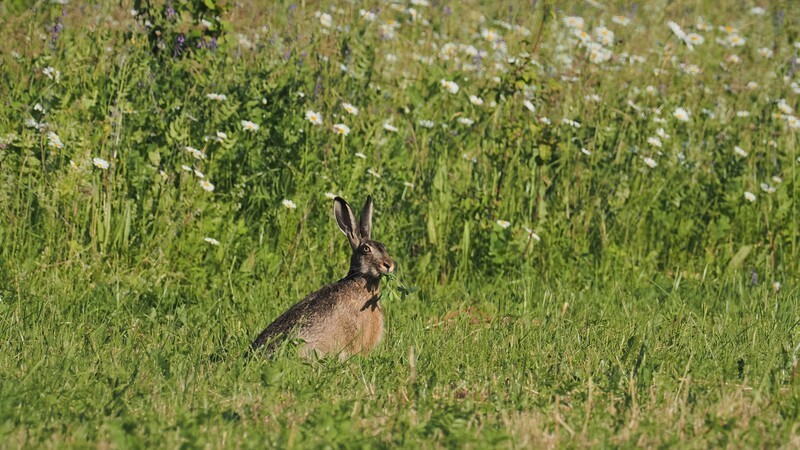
(369, 257)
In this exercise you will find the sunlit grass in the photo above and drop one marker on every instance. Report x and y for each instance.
(593, 209)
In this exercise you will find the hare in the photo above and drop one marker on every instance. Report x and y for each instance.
(342, 318)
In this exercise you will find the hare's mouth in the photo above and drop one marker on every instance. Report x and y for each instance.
(387, 267)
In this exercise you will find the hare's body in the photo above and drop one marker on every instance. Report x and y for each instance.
(342, 318)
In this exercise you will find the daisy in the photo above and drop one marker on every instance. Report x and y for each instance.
(342, 129)
(504, 223)
(288, 204)
(206, 185)
(195, 152)
(374, 173)
(654, 141)
(450, 86)
(426, 123)
(465, 121)
(740, 151)
(604, 35)
(330, 195)
(54, 141)
(750, 196)
(574, 22)
(314, 117)
(100, 163)
(216, 97)
(784, 107)
(621, 20)
(389, 127)
(681, 115)
(650, 162)
(52, 73)
(475, 100)
(350, 108)
(325, 20)
(734, 40)
(695, 38)
(249, 126)
(361, 155)
(211, 241)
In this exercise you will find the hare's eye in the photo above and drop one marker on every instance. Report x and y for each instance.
(366, 249)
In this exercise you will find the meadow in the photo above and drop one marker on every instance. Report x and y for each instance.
(593, 207)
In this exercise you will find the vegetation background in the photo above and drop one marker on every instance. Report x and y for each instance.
(598, 204)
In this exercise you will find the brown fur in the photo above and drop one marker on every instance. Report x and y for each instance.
(342, 318)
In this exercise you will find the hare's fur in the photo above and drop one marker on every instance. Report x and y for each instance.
(342, 318)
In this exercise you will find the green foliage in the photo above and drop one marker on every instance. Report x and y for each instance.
(577, 266)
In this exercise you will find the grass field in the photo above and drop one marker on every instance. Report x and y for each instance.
(597, 204)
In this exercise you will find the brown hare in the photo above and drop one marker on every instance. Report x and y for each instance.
(342, 318)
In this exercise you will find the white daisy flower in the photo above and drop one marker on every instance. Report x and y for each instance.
(250, 126)
(326, 20)
(426, 123)
(100, 163)
(749, 196)
(54, 141)
(574, 22)
(654, 141)
(216, 97)
(350, 108)
(650, 162)
(450, 86)
(211, 241)
(52, 73)
(341, 129)
(288, 204)
(206, 185)
(621, 20)
(314, 117)
(195, 152)
(504, 223)
(330, 195)
(361, 155)
(475, 100)
(740, 151)
(389, 127)
(681, 114)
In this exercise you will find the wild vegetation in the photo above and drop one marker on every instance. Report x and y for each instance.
(593, 207)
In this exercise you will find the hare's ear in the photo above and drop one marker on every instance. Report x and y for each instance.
(347, 221)
(366, 219)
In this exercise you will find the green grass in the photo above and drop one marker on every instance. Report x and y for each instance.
(658, 309)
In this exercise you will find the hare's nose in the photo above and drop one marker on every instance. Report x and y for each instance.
(389, 266)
